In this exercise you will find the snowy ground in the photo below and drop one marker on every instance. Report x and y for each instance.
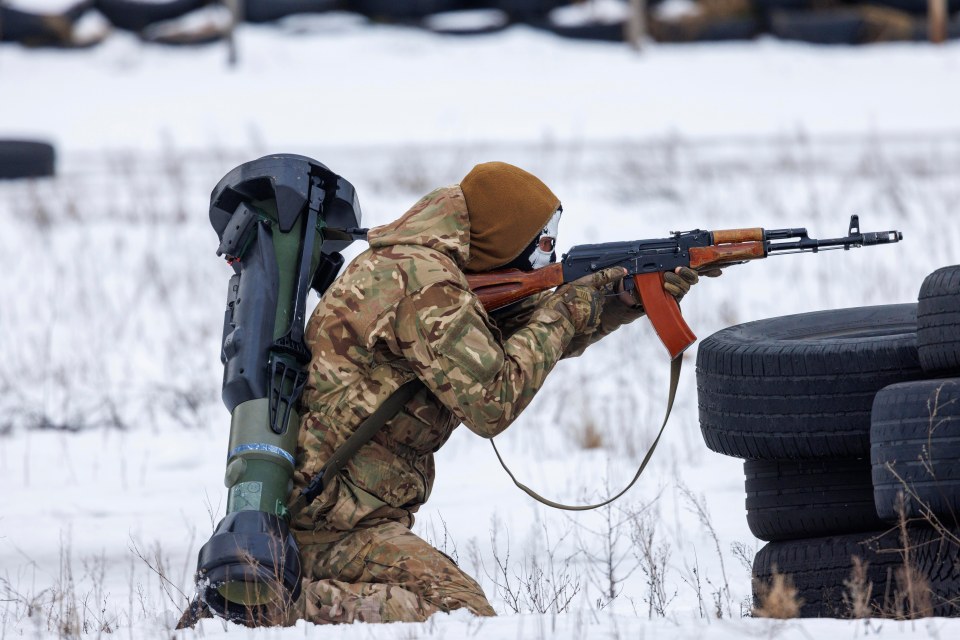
(332, 79)
(112, 298)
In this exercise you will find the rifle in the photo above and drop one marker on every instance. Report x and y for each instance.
(647, 260)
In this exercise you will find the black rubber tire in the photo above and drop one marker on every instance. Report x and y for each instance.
(818, 567)
(259, 11)
(392, 10)
(938, 321)
(529, 10)
(915, 449)
(832, 26)
(790, 499)
(801, 386)
(599, 31)
(26, 159)
(132, 15)
(915, 7)
(735, 28)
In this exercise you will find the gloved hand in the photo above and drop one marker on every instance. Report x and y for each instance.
(581, 301)
(677, 283)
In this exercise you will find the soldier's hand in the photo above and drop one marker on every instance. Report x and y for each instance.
(678, 282)
(630, 299)
(581, 301)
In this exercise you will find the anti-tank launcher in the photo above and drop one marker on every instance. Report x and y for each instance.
(282, 221)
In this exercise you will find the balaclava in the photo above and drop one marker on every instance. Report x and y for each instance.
(508, 208)
(541, 250)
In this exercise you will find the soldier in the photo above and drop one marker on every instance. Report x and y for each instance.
(403, 310)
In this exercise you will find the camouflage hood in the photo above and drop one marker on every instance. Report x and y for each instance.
(439, 221)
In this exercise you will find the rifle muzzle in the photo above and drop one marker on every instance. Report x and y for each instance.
(881, 237)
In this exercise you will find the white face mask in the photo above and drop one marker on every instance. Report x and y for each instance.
(543, 254)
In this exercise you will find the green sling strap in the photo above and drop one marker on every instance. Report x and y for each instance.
(374, 422)
(404, 394)
(675, 365)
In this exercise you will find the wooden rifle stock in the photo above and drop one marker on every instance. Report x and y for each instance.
(497, 289)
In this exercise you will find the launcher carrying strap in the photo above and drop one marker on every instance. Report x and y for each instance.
(374, 422)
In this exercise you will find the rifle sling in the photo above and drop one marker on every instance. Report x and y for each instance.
(674, 381)
(404, 394)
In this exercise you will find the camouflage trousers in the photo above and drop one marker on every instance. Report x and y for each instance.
(384, 573)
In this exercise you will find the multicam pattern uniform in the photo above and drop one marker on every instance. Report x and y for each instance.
(403, 309)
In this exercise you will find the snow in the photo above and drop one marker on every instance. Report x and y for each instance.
(214, 18)
(599, 11)
(356, 85)
(675, 9)
(112, 296)
(475, 19)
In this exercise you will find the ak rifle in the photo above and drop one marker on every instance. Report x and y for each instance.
(647, 260)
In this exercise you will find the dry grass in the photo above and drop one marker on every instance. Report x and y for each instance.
(914, 597)
(589, 436)
(779, 599)
(73, 606)
(858, 591)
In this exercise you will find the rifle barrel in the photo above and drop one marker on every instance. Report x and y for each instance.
(855, 240)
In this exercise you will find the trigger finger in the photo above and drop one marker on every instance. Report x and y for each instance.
(606, 276)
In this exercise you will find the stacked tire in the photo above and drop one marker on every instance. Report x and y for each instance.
(26, 159)
(830, 412)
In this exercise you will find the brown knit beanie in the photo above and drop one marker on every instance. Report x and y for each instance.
(507, 207)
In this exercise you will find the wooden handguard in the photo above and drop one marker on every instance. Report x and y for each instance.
(664, 313)
(718, 256)
(498, 289)
(728, 236)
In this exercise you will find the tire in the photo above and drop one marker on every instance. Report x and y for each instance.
(734, 28)
(259, 11)
(391, 10)
(790, 499)
(915, 449)
(26, 159)
(529, 10)
(819, 567)
(133, 15)
(598, 31)
(836, 26)
(938, 321)
(801, 386)
(915, 7)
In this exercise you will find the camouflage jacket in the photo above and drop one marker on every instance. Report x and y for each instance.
(403, 309)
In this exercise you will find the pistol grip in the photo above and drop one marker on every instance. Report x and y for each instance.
(664, 313)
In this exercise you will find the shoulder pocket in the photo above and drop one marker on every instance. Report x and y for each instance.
(470, 349)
